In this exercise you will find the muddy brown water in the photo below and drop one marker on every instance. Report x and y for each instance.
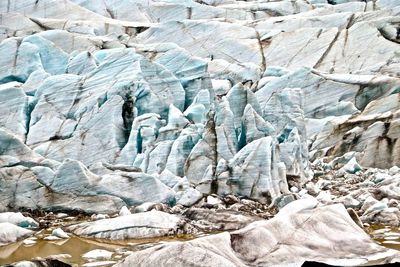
(386, 236)
(71, 250)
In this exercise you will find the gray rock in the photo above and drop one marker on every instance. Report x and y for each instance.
(189, 197)
(284, 200)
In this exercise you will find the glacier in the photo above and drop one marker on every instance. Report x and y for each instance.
(157, 106)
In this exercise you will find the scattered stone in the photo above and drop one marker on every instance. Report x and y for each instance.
(323, 184)
(283, 200)
(394, 170)
(376, 207)
(380, 177)
(349, 202)
(177, 209)
(352, 166)
(218, 220)
(294, 189)
(189, 197)
(124, 211)
(230, 200)
(324, 197)
(303, 192)
(312, 189)
(385, 216)
(148, 206)
(99, 217)
(368, 203)
(61, 215)
(212, 200)
(393, 203)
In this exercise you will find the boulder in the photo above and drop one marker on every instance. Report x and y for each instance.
(135, 226)
(299, 233)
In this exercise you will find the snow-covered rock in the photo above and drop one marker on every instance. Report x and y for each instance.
(10, 233)
(59, 233)
(98, 254)
(124, 211)
(139, 225)
(18, 219)
(52, 238)
(189, 197)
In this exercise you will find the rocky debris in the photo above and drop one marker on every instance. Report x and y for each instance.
(370, 192)
(283, 200)
(218, 220)
(148, 206)
(324, 234)
(96, 217)
(152, 220)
